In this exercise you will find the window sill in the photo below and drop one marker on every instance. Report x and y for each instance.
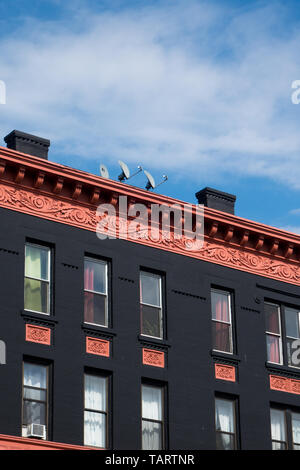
(103, 330)
(232, 358)
(38, 317)
(149, 340)
(284, 370)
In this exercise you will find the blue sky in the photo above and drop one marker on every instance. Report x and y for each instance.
(200, 90)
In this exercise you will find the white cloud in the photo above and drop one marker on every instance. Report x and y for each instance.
(291, 228)
(186, 85)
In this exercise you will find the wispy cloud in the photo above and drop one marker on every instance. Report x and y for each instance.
(291, 228)
(176, 85)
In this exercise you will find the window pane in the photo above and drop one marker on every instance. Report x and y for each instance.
(278, 445)
(220, 306)
(278, 430)
(292, 346)
(150, 289)
(95, 307)
(94, 429)
(34, 413)
(273, 349)
(296, 427)
(95, 392)
(152, 402)
(36, 295)
(151, 436)
(221, 336)
(272, 318)
(225, 416)
(36, 262)
(151, 321)
(33, 394)
(292, 322)
(35, 375)
(225, 441)
(95, 276)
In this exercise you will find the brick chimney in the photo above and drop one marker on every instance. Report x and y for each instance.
(215, 199)
(28, 143)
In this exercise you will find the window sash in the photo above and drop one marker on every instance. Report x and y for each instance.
(41, 248)
(225, 420)
(160, 427)
(103, 263)
(152, 410)
(43, 403)
(277, 335)
(43, 283)
(158, 307)
(225, 322)
(97, 411)
(155, 276)
(95, 293)
(103, 430)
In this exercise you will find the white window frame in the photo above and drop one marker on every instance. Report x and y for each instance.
(162, 422)
(228, 293)
(291, 337)
(160, 307)
(24, 428)
(105, 263)
(49, 280)
(105, 413)
(269, 333)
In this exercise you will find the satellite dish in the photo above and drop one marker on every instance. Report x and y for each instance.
(150, 183)
(104, 171)
(125, 175)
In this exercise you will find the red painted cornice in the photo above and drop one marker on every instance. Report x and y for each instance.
(23, 443)
(56, 192)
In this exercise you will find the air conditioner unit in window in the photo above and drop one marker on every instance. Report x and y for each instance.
(38, 431)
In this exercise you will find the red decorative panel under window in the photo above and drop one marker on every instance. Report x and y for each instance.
(100, 347)
(224, 372)
(151, 357)
(38, 334)
(284, 384)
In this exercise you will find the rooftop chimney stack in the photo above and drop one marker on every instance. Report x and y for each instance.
(28, 143)
(215, 199)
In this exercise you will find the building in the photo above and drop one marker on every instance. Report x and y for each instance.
(126, 345)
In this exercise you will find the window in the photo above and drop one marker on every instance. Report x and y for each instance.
(296, 430)
(273, 333)
(95, 292)
(152, 418)
(285, 429)
(37, 278)
(151, 305)
(95, 411)
(278, 429)
(292, 316)
(282, 331)
(222, 321)
(225, 424)
(35, 395)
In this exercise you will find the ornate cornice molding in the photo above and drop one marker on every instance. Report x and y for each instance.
(64, 195)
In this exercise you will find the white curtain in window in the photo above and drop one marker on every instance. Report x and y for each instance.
(36, 262)
(278, 425)
(224, 416)
(94, 429)
(95, 392)
(35, 375)
(152, 436)
(296, 427)
(152, 402)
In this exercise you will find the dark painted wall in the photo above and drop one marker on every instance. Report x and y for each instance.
(189, 375)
